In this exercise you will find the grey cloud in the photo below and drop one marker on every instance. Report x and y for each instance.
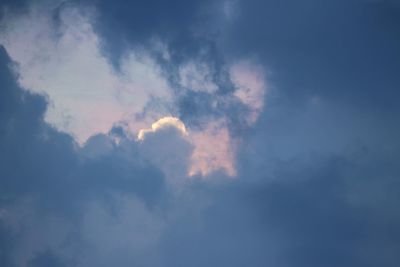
(318, 174)
(45, 167)
(46, 259)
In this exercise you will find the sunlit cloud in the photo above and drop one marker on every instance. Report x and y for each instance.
(214, 150)
(163, 123)
(88, 96)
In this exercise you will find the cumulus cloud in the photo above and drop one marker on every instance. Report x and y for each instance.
(88, 96)
(213, 147)
(108, 202)
(132, 229)
(168, 148)
(163, 123)
(22, 218)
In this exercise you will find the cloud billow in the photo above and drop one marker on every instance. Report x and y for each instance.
(315, 178)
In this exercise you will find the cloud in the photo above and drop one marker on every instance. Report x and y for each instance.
(212, 147)
(163, 123)
(46, 259)
(214, 150)
(197, 77)
(124, 237)
(87, 95)
(316, 186)
(168, 148)
(249, 81)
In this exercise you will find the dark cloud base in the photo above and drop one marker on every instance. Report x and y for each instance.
(302, 218)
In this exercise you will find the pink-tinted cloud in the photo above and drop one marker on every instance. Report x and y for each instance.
(249, 80)
(87, 96)
(214, 150)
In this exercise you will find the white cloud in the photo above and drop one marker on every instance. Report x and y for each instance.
(87, 95)
(163, 123)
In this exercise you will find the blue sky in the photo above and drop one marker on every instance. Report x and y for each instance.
(199, 133)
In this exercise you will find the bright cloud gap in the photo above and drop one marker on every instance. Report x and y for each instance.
(88, 97)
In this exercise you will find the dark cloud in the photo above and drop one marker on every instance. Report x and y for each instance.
(318, 175)
(45, 166)
(306, 217)
(46, 259)
(346, 51)
(6, 246)
(125, 24)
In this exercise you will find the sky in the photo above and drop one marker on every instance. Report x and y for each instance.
(199, 133)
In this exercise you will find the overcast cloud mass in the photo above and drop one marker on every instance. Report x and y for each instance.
(199, 133)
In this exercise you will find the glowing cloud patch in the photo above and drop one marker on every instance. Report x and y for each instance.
(213, 150)
(163, 123)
